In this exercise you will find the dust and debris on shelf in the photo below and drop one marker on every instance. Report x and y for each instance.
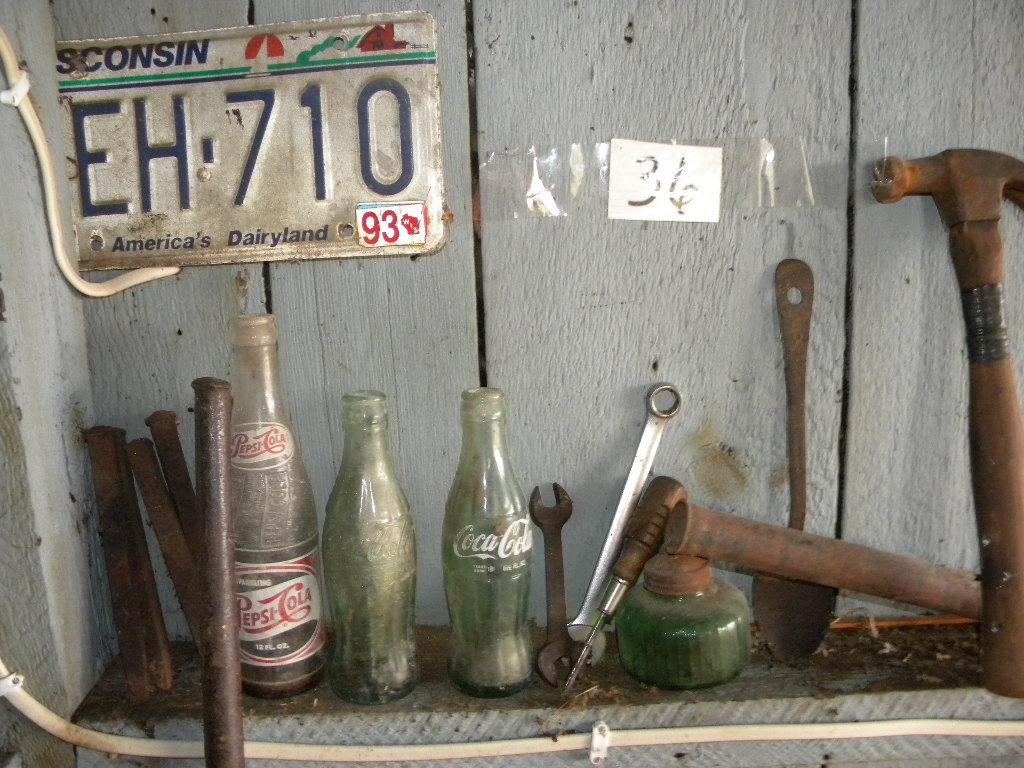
(862, 660)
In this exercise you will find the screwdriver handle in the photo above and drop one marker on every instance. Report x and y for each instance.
(645, 531)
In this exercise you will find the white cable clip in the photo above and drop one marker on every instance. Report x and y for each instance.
(600, 740)
(17, 92)
(10, 683)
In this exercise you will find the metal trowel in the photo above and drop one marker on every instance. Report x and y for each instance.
(793, 616)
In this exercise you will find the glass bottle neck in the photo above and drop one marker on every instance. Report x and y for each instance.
(255, 382)
(368, 445)
(483, 441)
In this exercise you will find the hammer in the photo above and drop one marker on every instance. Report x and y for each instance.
(968, 187)
(666, 519)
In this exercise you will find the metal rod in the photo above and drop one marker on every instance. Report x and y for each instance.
(792, 554)
(141, 634)
(163, 425)
(102, 443)
(158, 647)
(186, 575)
(222, 678)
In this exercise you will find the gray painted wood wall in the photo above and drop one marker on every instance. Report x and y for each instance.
(573, 315)
(54, 611)
(579, 314)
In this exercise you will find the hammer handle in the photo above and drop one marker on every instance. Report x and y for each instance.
(997, 476)
(997, 453)
(792, 554)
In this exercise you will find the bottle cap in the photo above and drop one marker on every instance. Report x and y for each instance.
(364, 407)
(483, 403)
(254, 331)
(677, 575)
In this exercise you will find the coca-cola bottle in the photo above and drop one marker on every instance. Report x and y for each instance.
(369, 548)
(487, 549)
(280, 617)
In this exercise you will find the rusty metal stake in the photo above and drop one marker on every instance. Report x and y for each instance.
(185, 573)
(163, 425)
(141, 634)
(792, 554)
(222, 677)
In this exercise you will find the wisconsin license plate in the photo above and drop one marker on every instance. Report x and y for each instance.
(318, 139)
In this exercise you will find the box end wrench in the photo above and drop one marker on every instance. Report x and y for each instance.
(602, 593)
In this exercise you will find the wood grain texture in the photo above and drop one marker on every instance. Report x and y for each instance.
(954, 80)
(55, 623)
(26, 634)
(147, 345)
(582, 313)
(405, 327)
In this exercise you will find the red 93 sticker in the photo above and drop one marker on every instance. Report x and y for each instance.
(380, 225)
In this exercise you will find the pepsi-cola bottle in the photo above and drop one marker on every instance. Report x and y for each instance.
(280, 613)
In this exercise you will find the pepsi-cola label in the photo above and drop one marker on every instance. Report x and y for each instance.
(261, 445)
(279, 611)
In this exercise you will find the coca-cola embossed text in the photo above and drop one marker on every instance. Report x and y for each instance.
(269, 445)
(516, 540)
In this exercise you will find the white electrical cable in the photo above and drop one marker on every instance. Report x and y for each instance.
(13, 689)
(57, 726)
(15, 96)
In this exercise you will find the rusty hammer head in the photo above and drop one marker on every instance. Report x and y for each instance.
(966, 184)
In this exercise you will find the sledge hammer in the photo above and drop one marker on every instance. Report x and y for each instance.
(968, 187)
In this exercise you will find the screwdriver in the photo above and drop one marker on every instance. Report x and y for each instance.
(644, 536)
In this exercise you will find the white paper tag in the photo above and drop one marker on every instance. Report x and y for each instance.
(664, 182)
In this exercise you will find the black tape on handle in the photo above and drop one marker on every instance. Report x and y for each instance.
(987, 341)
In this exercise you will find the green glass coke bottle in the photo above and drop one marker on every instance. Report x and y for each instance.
(369, 555)
(684, 628)
(487, 549)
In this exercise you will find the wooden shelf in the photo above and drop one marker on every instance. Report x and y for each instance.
(926, 672)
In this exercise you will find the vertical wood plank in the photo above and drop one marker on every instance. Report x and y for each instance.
(148, 344)
(582, 313)
(55, 627)
(954, 79)
(403, 326)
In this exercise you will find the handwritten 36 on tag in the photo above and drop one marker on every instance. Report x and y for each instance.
(664, 182)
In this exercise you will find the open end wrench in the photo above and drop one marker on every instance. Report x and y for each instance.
(555, 656)
(657, 417)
